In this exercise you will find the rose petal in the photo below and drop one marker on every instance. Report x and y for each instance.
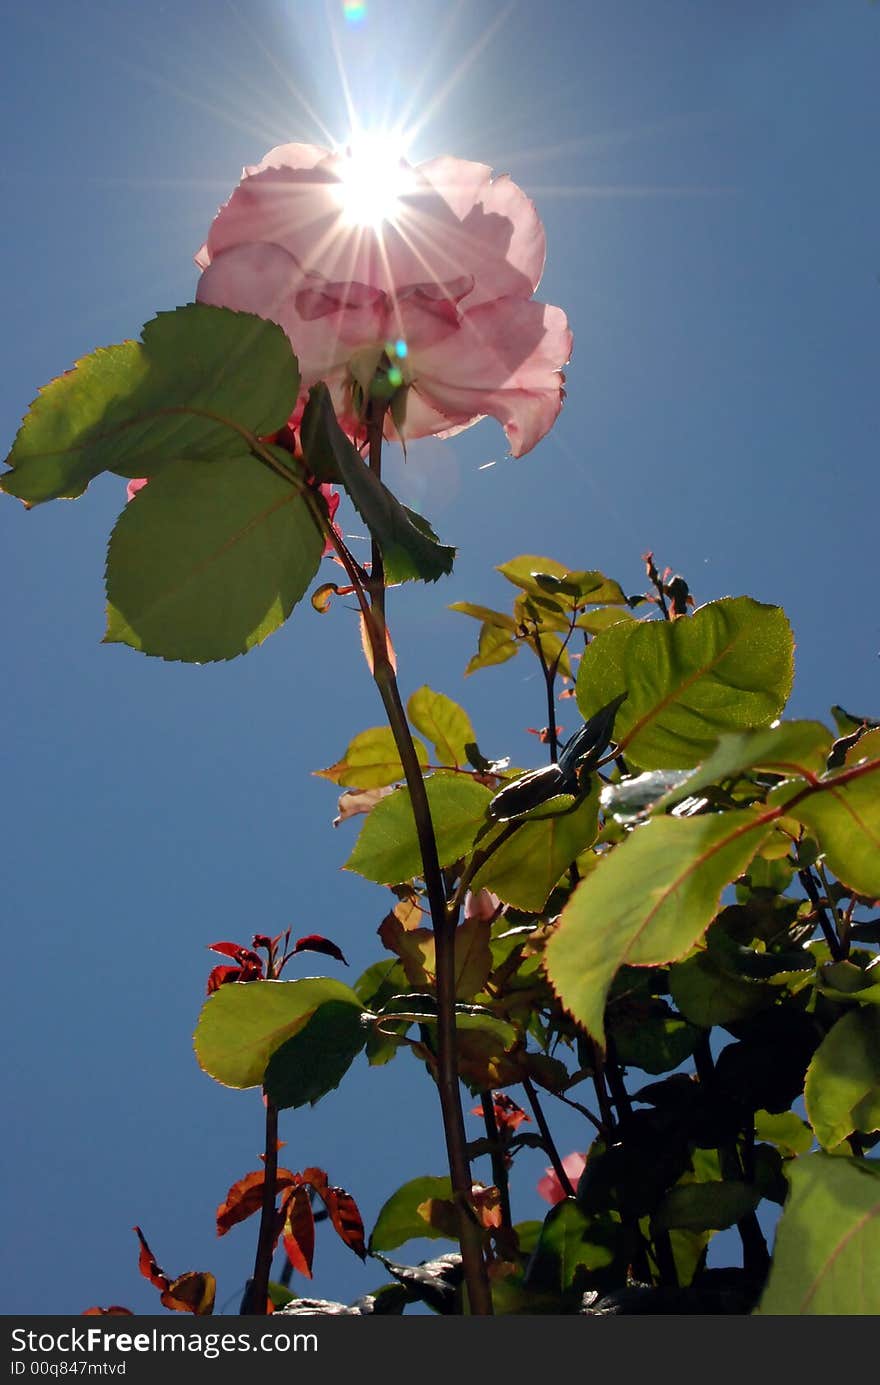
(505, 361)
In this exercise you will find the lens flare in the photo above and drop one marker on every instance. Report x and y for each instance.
(354, 11)
(373, 178)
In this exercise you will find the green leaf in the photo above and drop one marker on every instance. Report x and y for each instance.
(842, 1091)
(202, 382)
(570, 1240)
(409, 545)
(485, 614)
(726, 668)
(844, 814)
(526, 867)
(495, 646)
(708, 1206)
(400, 1220)
(318, 1056)
(243, 1024)
(371, 761)
(594, 622)
(654, 1042)
(446, 725)
(387, 849)
(209, 559)
(791, 748)
(646, 903)
(828, 1236)
(529, 573)
(706, 995)
(787, 1131)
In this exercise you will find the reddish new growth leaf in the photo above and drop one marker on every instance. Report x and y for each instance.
(249, 966)
(508, 1116)
(345, 1218)
(114, 1311)
(313, 942)
(543, 732)
(246, 1197)
(192, 1292)
(298, 1229)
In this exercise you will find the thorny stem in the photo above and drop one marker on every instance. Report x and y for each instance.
(443, 919)
(259, 1287)
(549, 1146)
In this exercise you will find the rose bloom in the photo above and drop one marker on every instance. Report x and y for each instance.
(550, 1188)
(433, 289)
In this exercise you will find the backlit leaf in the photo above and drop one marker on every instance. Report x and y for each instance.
(726, 668)
(495, 646)
(585, 587)
(240, 1027)
(842, 1091)
(209, 559)
(645, 904)
(317, 1057)
(446, 725)
(529, 864)
(198, 377)
(844, 814)
(828, 1240)
(387, 849)
(245, 1197)
(400, 1220)
(371, 761)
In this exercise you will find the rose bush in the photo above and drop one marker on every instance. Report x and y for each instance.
(438, 295)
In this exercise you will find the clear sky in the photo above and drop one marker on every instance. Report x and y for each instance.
(707, 173)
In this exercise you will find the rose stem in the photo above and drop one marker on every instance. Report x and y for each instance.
(443, 919)
(499, 1167)
(259, 1291)
(550, 1148)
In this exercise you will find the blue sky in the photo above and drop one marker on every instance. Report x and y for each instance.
(707, 176)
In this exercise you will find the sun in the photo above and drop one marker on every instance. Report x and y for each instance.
(373, 178)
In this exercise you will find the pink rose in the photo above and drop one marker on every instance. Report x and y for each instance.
(550, 1188)
(437, 293)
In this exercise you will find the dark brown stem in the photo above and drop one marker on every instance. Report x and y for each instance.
(549, 672)
(756, 1256)
(259, 1289)
(828, 930)
(584, 1110)
(549, 1146)
(499, 1163)
(443, 920)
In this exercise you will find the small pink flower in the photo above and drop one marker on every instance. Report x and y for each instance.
(550, 1188)
(482, 905)
(438, 295)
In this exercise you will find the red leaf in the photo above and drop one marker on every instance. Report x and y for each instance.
(316, 1177)
(114, 1311)
(251, 961)
(345, 1217)
(148, 1266)
(299, 1231)
(219, 977)
(193, 1292)
(313, 942)
(246, 1197)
